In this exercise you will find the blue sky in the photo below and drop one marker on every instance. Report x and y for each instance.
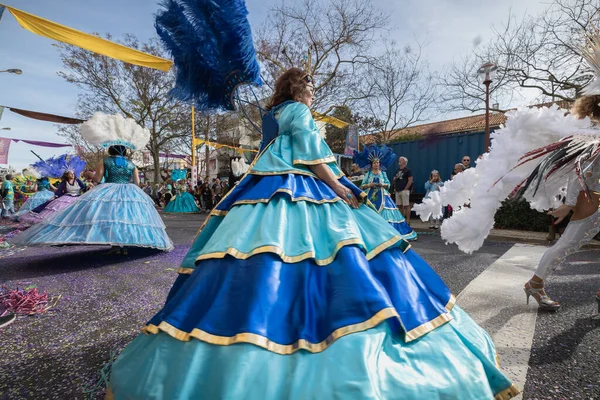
(449, 27)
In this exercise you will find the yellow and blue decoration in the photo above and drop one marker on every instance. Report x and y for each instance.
(289, 293)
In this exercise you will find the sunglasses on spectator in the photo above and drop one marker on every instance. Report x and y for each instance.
(466, 159)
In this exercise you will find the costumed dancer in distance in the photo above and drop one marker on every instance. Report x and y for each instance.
(291, 268)
(44, 191)
(183, 202)
(375, 184)
(68, 168)
(116, 212)
(536, 154)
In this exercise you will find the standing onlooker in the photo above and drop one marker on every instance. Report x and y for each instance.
(458, 168)
(206, 197)
(148, 189)
(7, 193)
(466, 162)
(403, 181)
(433, 185)
(217, 190)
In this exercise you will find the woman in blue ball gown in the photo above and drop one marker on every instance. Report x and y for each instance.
(44, 191)
(183, 202)
(294, 289)
(116, 212)
(376, 183)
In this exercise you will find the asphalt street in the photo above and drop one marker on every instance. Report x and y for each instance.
(106, 299)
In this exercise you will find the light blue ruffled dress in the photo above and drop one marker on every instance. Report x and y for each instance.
(288, 293)
(115, 213)
(42, 195)
(382, 201)
(182, 203)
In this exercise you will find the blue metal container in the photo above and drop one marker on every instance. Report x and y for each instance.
(438, 152)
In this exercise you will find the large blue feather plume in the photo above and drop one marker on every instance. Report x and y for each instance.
(212, 48)
(384, 154)
(55, 167)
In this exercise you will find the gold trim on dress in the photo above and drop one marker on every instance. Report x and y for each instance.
(324, 160)
(435, 323)
(509, 393)
(294, 199)
(267, 344)
(109, 394)
(404, 246)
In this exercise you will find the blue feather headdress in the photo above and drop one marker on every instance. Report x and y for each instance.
(212, 48)
(178, 174)
(55, 167)
(383, 154)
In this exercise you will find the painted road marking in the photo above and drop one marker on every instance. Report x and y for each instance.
(496, 301)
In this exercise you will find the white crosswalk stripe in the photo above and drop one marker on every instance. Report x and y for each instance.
(496, 301)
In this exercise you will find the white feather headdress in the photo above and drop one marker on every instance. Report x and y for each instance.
(111, 130)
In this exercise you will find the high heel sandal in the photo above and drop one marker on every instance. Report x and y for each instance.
(539, 294)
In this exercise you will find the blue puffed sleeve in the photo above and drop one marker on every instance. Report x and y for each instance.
(308, 147)
(386, 181)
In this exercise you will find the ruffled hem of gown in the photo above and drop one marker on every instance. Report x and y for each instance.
(110, 214)
(457, 360)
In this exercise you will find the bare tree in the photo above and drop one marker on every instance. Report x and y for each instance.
(140, 93)
(398, 88)
(539, 53)
(332, 40)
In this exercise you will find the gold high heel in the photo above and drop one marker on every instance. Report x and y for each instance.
(539, 294)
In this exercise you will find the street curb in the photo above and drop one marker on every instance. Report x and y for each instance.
(595, 244)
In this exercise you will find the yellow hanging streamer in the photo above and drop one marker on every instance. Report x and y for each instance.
(198, 142)
(330, 120)
(61, 33)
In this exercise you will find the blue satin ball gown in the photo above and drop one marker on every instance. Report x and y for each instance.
(182, 203)
(382, 201)
(288, 293)
(115, 213)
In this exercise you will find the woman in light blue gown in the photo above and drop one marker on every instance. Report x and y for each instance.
(295, 289)
(116, 212)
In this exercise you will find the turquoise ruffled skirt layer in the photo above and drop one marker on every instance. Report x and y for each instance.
(111, 214)
(37, 199)
(183, 204)
(455, 361)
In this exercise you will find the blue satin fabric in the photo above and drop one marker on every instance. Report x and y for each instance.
(303, 300)
(183, 203)
(37, 199)
(112, 214)
(255, 187)
(456, 361)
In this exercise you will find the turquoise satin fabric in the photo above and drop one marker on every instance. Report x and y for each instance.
(183, 203)
(456, 361)
(297, 228)
(298, 145)
(385, 206)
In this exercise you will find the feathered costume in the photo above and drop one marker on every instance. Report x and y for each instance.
(64, 195)
(535, 155)
(183, 202)
(379, 195)
(116, 212)
(287, 292)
